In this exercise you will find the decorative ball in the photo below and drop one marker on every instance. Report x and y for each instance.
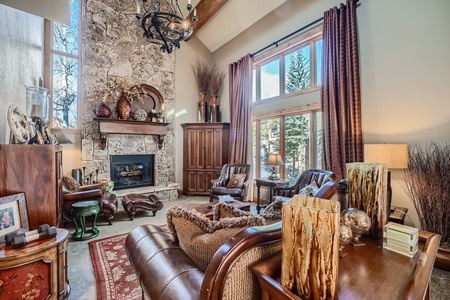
(345, 235)
(140, 115)
(355, 218)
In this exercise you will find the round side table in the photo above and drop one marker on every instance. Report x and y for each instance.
(79, 212)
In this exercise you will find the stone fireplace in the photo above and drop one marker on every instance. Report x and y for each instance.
(132, 171)
(114, 47)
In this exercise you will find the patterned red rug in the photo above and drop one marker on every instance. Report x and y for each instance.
(114, 276)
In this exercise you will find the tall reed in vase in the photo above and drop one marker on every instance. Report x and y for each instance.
(215, 85)
(202, 72)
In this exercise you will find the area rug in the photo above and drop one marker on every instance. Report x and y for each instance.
(114, 276)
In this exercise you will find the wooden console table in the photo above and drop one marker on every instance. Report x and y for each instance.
(39, 266)
(131, 127)
(367, 272)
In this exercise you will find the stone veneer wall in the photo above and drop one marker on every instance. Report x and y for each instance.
(113, 45)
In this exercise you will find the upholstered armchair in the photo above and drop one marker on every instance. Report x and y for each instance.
(317, 176)
(233, 181)
(71, 193)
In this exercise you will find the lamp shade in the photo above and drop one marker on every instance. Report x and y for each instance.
(394, 155)
(274, 160)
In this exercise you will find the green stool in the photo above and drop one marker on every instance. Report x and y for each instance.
(81, 210)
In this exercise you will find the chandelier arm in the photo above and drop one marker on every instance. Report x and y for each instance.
(163, 38)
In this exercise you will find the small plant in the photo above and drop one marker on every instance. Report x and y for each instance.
(202, 73)
(216, 80)
(427, 185)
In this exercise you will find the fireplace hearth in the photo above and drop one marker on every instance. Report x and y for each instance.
(132, 171)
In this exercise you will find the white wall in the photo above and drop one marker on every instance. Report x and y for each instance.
(186, 93)
(21, 60)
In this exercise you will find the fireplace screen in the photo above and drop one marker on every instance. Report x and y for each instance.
(131, 171)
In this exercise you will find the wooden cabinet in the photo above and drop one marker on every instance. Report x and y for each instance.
(39, 269)
(205, 147)
(34, 170)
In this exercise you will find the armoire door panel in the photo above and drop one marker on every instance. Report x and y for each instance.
(201, 140)
(201, 182)
(192, 145)
(218, 149)
(209, 149)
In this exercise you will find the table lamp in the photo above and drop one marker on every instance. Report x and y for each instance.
(395, 156)
(274, 160)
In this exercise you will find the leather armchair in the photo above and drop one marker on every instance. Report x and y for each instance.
(106, 201)
(219, 186)
(306, 178)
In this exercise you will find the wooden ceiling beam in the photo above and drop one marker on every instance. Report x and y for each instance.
(206, 10)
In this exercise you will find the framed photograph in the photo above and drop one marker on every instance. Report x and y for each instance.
(13, 215)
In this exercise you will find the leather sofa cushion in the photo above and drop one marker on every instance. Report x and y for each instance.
(200, 237)
(226, 191)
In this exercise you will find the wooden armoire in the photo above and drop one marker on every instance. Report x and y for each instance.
(34, 170)
(205, 147)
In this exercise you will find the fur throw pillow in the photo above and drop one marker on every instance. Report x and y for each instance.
(224, 210)
(200, 237)
(310, 190)
(70, 184)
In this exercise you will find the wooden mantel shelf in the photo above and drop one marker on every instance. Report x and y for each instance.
(117, 126)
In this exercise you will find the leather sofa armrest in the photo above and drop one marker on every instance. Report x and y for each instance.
(285, 191)
(216, 183)
(233, 250)
(83, 195)
(163, 269)
(95, 186)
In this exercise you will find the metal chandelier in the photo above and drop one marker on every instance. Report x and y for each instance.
(164, 24)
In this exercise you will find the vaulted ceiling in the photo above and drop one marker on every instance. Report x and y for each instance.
(222, 20)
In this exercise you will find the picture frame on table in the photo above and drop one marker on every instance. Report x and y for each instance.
(13, 215)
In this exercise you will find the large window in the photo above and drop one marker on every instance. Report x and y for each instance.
(64, 70)
(295, 135)
(286, 120)
(291, 70)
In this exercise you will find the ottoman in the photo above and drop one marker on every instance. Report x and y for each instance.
(131, 202)
(78, 213)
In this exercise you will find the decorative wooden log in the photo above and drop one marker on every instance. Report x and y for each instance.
(310, 254)
(367, 190)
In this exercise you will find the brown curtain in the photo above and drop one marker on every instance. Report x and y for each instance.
(341, 99)
(240, 74)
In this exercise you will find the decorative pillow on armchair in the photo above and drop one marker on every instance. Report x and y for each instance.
(310, 190)
(273, 211)
(236, 181)
(200, 237)
(70, 184)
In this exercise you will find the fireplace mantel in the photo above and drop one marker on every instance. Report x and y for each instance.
(117, 126)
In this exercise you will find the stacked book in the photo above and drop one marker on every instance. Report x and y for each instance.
(400, 238)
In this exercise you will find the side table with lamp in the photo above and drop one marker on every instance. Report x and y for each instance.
(272, 181)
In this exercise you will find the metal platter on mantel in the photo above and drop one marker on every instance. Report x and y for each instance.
(151, 99)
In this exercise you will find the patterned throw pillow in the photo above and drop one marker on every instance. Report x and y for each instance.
(310, 190)
(200, 237)
(236, 181)
(223, 210)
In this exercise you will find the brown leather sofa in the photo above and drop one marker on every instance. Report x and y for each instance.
(305, 178)
(166, 272)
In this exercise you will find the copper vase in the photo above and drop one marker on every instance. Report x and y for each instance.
(124, 108)
(202, 108)
(103, 111)
(214, 109)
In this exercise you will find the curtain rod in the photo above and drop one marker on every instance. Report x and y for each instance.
(289, 35)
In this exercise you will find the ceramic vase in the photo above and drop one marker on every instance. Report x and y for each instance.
(214, 109)
(103, 111)
(124, 108)
(202, 108)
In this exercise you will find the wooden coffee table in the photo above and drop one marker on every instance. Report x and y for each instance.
(208, 211)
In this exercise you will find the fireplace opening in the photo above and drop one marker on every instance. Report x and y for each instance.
(132, 171)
